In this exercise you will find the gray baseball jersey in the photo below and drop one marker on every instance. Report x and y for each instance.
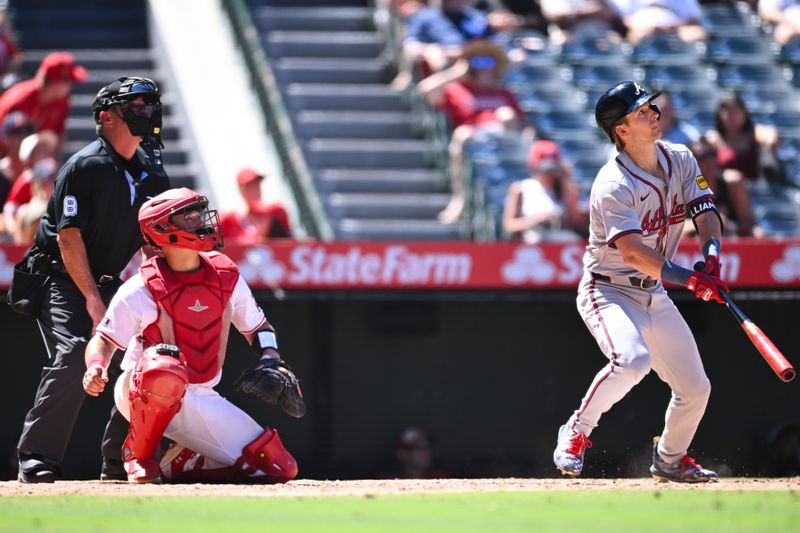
(625, 199)
(639, 329)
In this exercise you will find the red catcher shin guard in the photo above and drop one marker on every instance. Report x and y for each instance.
(157, 388)
(265, 459)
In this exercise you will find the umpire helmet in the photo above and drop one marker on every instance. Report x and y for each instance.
(201, 231)
(143, 121)
(618, 101)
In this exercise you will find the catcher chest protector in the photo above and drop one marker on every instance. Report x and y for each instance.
(195, 304)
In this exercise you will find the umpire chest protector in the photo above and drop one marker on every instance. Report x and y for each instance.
(193, 310)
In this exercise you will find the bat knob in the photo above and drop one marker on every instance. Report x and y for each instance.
(699, 266)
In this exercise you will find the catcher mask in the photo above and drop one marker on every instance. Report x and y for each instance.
(180, 218)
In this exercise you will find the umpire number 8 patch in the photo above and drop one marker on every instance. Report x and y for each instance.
(70, 206)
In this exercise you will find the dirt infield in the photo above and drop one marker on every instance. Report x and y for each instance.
(370, 487)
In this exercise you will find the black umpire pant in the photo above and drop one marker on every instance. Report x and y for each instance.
(66, 328)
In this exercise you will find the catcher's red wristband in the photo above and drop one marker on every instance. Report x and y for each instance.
(96, 359)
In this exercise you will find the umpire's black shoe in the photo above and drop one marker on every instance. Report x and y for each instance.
(113, 470)
(37, 469)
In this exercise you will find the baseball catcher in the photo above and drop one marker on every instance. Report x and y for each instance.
(177, 312)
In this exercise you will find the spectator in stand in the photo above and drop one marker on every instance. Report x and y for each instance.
(576, 19)
(45, 97)
(784, 15)
(471, 94)
(676, 131)
(415, 453)
(10, 54)
(16, 127)
(33, 149)
(643, 18)
(544, 207)
(260, 222)
(745, 150)
(436, 35)
(732, 197)
(512, 15)
(783, 446)
(403, 9)
(43, 179)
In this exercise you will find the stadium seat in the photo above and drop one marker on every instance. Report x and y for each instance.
(541, 75)
(766, 99)
(688, 100)
(562, 122)
(790, 53)
(741, 50)
(668, 49)
(586, 76)
(673, 76)
(576, 149)
(535, 45)
(594, 51)
(741, 76)
(729, 20)
(537, 99)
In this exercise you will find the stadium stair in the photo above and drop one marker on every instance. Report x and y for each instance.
(110, 39)
(370, 162)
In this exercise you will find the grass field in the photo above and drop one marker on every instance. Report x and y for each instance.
(558, 511)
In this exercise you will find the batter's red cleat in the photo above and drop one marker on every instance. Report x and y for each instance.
(568, 455)
(684, 471)
(146, 471)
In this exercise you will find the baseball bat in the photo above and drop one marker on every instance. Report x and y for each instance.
(771, 354)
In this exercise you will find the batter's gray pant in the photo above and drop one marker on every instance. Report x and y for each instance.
(639, 329)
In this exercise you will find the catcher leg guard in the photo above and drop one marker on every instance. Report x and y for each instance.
(157, 387)
(265, 459)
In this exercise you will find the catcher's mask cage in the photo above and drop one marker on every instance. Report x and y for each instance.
(143, 120)
(180, 218)
(620, 100)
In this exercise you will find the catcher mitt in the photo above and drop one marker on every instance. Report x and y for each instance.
(273, 381)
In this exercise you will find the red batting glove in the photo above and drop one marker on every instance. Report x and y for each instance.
(713, 266)
(706, 287)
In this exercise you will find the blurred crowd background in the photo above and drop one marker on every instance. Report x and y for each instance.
(414, 120)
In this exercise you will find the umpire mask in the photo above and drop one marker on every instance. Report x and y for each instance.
(143, 119)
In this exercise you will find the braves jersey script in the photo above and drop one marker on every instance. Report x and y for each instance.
(133, 309)
(625, 199)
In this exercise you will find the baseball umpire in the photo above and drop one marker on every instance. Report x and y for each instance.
(85, 239)
(638, 205)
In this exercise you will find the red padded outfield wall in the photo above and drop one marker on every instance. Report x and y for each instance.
(747, 263)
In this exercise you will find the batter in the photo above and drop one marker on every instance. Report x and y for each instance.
(639, 202)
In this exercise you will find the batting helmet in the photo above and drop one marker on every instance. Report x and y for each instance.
(618, 101)
(198, 230)
(142, 121)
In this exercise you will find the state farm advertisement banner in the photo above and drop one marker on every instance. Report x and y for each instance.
(456, 265)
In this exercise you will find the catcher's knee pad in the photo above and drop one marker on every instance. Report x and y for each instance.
(265, 459)
(157, 387)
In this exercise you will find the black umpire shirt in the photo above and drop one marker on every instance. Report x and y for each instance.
(100, 193)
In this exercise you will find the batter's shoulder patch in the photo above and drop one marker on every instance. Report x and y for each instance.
(701, 182)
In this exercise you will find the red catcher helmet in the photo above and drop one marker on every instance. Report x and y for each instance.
(159, 229)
